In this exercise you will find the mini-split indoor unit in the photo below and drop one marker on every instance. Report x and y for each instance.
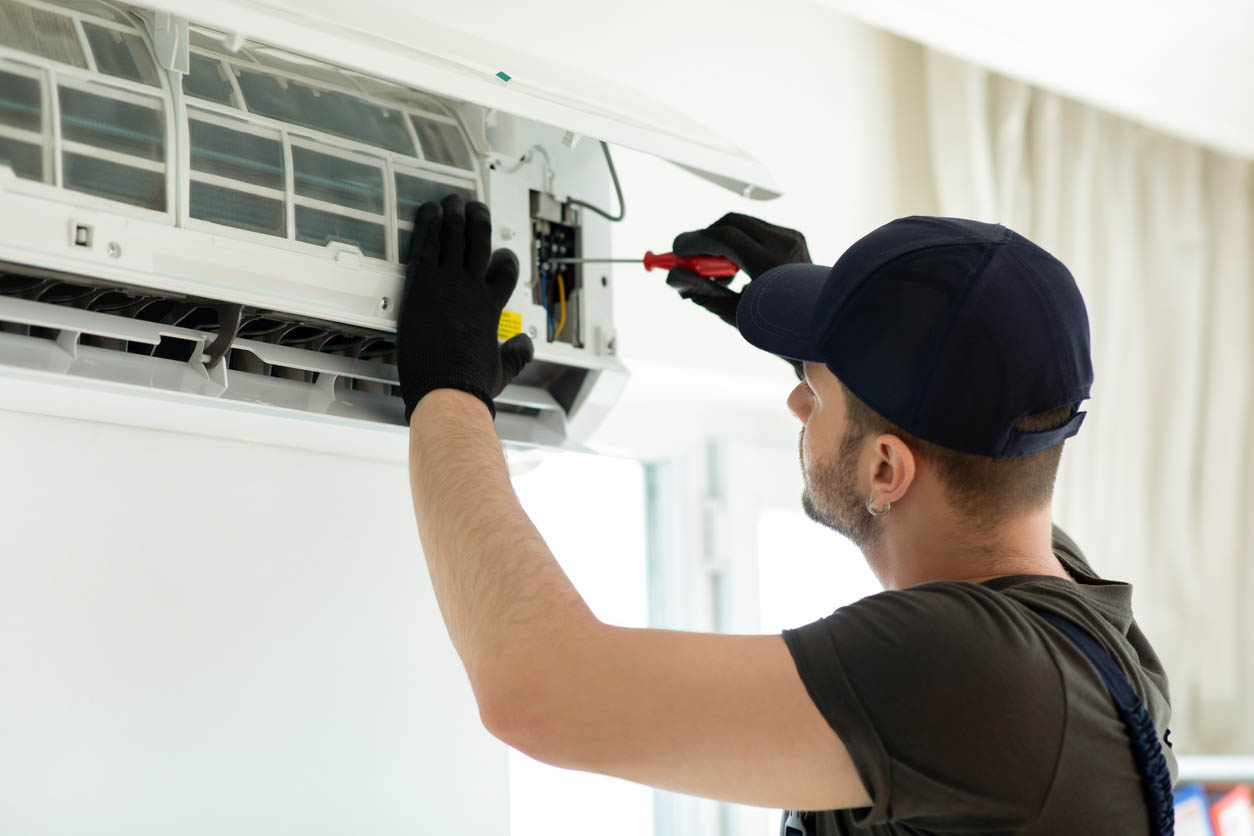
(212, 203)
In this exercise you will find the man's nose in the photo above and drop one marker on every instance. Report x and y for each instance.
(798, 403)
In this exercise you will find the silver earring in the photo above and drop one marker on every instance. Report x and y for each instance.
(870, 507)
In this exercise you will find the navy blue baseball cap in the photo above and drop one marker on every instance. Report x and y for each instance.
(952, 329)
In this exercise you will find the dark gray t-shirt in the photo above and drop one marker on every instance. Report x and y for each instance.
(965, 712)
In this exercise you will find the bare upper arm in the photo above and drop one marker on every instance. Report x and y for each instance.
(718, 716)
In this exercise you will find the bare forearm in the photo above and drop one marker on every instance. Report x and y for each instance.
(501, 592)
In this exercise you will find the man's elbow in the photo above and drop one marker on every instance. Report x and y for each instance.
(523, 714)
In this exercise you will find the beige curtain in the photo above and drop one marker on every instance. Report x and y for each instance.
(1158, 487)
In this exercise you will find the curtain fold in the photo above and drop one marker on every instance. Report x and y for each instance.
(1158, 486)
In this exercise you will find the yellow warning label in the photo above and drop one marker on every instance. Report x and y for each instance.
(510, 325)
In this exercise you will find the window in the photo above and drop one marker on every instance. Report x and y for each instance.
(590, 510)
(805, 571)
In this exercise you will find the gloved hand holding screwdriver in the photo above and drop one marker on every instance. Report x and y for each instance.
(754, 245)
(452, 344)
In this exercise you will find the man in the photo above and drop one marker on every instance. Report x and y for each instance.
(942, 364)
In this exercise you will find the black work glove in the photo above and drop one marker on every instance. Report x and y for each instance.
(454, 295)
(753, 244)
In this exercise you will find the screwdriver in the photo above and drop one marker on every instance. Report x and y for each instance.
(708, 266)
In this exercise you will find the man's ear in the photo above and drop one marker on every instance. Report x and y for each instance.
(894, 468)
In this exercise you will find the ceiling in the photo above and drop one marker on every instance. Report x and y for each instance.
(1185, 67)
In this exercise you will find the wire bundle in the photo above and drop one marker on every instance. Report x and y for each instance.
(553, 332)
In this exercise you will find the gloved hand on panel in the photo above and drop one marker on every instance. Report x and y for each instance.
(455, 290)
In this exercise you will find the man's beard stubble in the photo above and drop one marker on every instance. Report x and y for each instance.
(831, 495)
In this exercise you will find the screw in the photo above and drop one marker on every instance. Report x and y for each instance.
(385, 303)
(507, 233)
(611, 346)
(115, 251)
(532, 332)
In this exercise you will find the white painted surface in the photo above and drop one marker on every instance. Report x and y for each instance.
(205, 636)
(1180, 66)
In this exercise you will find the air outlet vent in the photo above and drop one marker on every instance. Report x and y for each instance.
(198, 346)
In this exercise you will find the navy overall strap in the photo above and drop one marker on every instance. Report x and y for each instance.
(1146, 750)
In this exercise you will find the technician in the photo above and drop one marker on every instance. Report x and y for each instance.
(985, 691)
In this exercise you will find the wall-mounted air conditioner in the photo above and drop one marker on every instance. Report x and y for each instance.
(212, 203)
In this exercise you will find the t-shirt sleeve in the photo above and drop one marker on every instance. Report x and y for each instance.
(948, 700)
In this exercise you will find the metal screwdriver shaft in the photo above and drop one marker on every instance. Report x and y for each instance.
(708, 266)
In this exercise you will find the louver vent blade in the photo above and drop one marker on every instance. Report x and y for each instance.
(124, 335)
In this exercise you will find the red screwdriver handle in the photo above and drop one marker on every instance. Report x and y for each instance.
(709, 266)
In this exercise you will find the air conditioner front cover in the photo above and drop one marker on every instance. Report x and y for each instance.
(217, 212)
(395, 42)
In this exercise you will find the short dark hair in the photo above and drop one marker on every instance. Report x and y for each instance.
(987, 489)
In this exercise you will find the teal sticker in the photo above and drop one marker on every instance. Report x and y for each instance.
(503, 76)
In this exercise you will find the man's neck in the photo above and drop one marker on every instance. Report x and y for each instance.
(914, 551)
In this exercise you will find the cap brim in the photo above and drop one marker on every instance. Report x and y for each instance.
(776, 311)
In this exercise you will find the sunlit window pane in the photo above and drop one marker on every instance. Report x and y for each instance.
(805, 571)
(590, 510)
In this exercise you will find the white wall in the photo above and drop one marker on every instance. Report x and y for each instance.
(210, 636)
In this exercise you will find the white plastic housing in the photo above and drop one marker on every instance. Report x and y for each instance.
(196, 168)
